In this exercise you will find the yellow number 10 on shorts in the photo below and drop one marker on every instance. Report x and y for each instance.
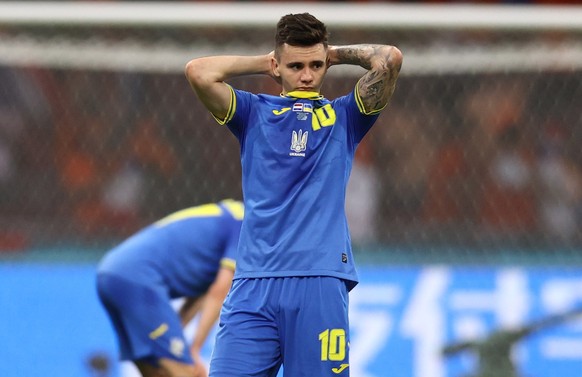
(333, 344)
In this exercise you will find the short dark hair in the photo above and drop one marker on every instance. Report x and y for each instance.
(300, 29)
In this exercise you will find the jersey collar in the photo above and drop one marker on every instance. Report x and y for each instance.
(303, 95)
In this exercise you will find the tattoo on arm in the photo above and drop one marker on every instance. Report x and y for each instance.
(377, 86)
(356, 54)
(383, 64)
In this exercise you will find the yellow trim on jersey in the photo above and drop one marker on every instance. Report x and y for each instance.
(303, 95)
(159, 331)
(231, 109)
(236, 208)
(360, 103)
(204, 210)
(228, 263)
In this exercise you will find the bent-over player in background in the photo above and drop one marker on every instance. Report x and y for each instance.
(189, 254)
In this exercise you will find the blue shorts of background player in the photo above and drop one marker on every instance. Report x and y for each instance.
(299, 321)
(126, 303)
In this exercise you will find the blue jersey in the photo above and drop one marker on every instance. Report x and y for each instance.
(296, 157)
(182, 252)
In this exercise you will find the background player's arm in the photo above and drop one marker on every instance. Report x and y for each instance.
(383, 63)
(189, 308)
(207, 77)
(210, 311)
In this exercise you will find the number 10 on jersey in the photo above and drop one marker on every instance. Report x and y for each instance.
(333, 344)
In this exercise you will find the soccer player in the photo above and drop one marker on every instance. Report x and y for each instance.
(288, 304)
(189, 254)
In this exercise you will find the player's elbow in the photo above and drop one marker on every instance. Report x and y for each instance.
(195, 72)
(394, 59)
(387, 60)
(191, 71)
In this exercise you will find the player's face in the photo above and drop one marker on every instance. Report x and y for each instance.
(301, 68)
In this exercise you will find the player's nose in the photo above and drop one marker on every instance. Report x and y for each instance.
(306, 75)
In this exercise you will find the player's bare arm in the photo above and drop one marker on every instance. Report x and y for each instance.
(207, 76)
(210, 311)
(383, 63)
(190, 308)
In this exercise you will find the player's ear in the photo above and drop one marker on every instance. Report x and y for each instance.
(275, 67)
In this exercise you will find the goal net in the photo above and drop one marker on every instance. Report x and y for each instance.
(100, 133)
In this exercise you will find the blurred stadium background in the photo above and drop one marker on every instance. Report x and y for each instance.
(465, 201)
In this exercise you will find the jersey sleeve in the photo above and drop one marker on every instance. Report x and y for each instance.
(238, 112)
(359, 122)
(231, 109)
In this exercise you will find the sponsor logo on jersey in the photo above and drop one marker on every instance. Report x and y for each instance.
(302, 110)
(282, 111)
(340, 369)
(344, 258)
(298, 143)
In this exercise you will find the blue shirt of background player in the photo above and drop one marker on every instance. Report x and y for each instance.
(295, 224)
(182, 252)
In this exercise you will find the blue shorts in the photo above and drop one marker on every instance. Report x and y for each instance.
(298, 322)
(147, 326)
